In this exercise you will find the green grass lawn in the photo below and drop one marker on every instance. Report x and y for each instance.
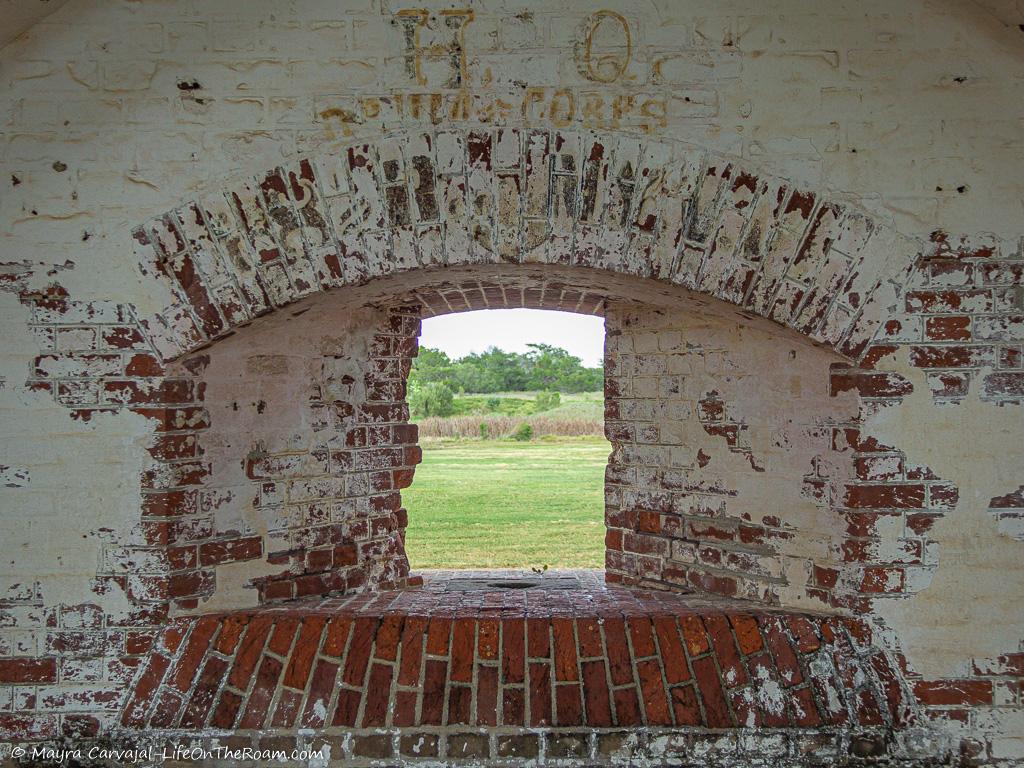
(503, 504)
(573, 404)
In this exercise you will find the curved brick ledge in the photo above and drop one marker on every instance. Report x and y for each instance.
(599, 656)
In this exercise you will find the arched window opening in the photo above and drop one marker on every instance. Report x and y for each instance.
(509, 405)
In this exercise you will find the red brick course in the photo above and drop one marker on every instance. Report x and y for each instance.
(626, 659)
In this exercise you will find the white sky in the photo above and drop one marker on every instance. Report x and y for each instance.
(460, 333)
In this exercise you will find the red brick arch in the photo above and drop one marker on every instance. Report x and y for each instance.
(649, 208)
(452, 220)
(446, 221)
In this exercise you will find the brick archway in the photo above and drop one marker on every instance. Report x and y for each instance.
(407, 665)
(573, 209)
(431, 220)
(404, 228)
(649, 208)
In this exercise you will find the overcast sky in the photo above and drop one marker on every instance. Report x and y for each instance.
(460, 333)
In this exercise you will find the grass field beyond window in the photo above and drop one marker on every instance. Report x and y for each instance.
(505, 504)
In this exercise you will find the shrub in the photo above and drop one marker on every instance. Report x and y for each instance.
(546, 401)
(485, 430)
(431, 399)
(523, 433)
(493, 403)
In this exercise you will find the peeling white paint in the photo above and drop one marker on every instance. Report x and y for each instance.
(974, 603)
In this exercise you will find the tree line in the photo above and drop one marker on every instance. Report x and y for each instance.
(543, 367)
(435, 378)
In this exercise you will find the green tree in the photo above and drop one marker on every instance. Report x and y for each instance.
(430, 365)
(553, 368)
(433, 398)
(543, 367)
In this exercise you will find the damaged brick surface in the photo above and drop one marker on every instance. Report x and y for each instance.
(813, 396)
(651, 208)
(600, 657)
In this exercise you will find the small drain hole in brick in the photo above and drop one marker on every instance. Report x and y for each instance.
(515, 583)
(509, 584)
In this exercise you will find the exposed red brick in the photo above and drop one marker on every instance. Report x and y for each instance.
(938, 693)
(405, 709)
(358, 655)
(685, 705)
(437, 636)
(652, 693)
(694, 635)
(433, 692)
(733, 672)
(139, 642)
(413, 633)
(378, 693)
(627, 707)
(463, 645)
(134, 714)
(513, 669)
(871, 384)
(868, 711)
(201, 702)
(387, 638)
(198, 644)
(588, 632)
(947, 328)
(1012, 500)
(513, 706)
(898, 496)
(249, 651)
(336, 638)
(782, 651)
(460, 699)
(14, 726)
(28, 670)
(487, 639)
(642, 637)
(538, 642)
(486, 695)
(619, 659)
(283, 634)
(540, 694)
(748, 635)
(322, 683)
(802, 630)
(165, 713)
(306, 645)
(143, 365)
(230, 551)
(263, 689)
(347, 709)
(711, 694)
(671, 650)
(882, 580)
(568, 705)
(947, 356)
(804, 710)
(565, 649)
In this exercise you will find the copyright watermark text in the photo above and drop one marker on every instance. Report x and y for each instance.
(177, 752)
